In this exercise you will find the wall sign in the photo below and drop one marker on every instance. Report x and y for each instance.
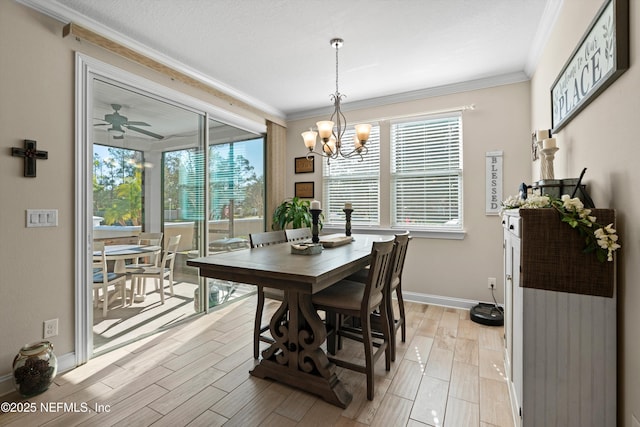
(494, 182)
(601, 56)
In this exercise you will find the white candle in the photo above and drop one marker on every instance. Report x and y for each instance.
(543, 134)
(549, 143)
(348, 205)
(315, 204)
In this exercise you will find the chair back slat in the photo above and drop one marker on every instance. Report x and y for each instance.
(381, 254)
(100, 260)
(151, 239)
(170, 250)
(298, 234)
(267, 238)
(399, 255)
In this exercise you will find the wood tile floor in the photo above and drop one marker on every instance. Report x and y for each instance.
(449, 372)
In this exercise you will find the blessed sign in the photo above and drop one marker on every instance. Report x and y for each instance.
(494, 182)
(601, 56)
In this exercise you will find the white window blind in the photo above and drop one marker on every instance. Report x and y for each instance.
(426, 173)
(355, 181)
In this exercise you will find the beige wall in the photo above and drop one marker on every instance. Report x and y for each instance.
(37, 102)
(500, 121)
(604, 139)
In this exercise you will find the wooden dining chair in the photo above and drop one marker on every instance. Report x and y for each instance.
(258, 240)
(162, 271)
(103, 279)
(394, 285)
(298, 234)
(359, 300)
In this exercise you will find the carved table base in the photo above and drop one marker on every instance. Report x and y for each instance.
(295, 358)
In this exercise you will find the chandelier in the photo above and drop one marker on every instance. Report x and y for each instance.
(332, 131)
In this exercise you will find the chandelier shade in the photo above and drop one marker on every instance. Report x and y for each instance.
(331, 132)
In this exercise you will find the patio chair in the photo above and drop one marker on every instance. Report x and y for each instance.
(147, 239)
(103, 279)
(164, 270)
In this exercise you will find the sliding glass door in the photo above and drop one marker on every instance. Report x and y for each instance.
(236, 200)
(154, 160)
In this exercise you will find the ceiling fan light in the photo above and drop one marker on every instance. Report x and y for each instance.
(116, 132)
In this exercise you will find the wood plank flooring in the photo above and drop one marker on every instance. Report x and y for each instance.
(449, 373)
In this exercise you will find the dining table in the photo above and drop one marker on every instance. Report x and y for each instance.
(296, 356)
(121, 253)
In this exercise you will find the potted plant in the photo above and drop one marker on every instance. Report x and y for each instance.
(294, 212)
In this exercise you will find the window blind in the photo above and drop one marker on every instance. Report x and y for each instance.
(354, 181)
(426, 172)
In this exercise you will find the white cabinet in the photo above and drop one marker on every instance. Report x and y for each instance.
(560, 347)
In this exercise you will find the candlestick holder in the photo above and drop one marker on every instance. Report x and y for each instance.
(547, 163)
(315, 215)
(347, 213)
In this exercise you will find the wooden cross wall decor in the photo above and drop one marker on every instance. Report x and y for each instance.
(30, 154)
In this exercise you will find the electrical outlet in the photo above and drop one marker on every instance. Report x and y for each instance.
(491, 282)
(50, 328)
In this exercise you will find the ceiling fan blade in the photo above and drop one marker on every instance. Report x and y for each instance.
(138, 124)
(102, 124)
(145, 132)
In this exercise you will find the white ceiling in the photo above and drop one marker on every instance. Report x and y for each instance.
(276, 54)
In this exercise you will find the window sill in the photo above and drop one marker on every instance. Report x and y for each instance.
(423, 233)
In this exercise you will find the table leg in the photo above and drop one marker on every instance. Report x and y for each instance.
(295, 357)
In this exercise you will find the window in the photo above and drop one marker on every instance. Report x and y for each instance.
(355, 181)
(410, 179)
(426, 173)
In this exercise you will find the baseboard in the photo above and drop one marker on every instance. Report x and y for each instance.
(438, 300)
(66, 362)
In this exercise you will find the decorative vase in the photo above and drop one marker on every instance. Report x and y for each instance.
(34, 368)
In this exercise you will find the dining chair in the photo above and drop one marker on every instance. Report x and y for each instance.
(258, 240)
(102, 279)
(298, 234)
(161, 271)
(394, 285)
(147, 239)
(359, 300)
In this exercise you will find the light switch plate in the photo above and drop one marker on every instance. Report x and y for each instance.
(634, 421)
(42, 218)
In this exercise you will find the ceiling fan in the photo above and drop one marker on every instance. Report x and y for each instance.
(119, 123)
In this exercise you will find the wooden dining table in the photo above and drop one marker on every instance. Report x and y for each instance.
(296, 357)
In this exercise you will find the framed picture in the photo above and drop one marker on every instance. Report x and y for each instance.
(304, 165)
(601, 56)
(304, 190)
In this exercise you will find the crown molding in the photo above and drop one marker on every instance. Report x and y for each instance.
(67, 16)
(547, 22)
(416, 95)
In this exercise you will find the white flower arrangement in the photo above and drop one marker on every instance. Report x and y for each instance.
(600, 239)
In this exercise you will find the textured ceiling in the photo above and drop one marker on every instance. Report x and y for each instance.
(276, 54)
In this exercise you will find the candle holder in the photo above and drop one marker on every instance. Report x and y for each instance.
(547, 162)
(315, 215)
(347, 213)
